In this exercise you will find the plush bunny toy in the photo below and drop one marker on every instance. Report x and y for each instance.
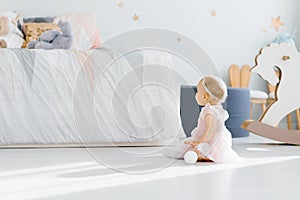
(53, 39)
(4, 30)
(4, 26)
(3, 44)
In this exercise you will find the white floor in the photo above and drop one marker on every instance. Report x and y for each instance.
(271, 171)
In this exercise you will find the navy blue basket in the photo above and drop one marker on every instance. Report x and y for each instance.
(237, 104)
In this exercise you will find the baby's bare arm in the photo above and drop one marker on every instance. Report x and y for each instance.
(209, 132)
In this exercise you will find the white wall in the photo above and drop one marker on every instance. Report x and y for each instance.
(234, 36)
(297, 16)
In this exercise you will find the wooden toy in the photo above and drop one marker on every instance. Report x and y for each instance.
(284, 59)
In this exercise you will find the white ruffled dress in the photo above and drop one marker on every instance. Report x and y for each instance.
(218, 148)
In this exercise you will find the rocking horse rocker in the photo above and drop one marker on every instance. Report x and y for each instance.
(286, 60)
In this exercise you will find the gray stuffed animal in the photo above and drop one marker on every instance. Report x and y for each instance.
(53, 39)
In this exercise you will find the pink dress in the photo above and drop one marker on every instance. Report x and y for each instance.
(219, 147)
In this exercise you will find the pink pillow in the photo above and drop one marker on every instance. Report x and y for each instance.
(84, 29)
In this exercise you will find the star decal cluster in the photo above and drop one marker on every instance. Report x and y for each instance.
(213, 13)
(120, 5)
(136, 17)
(276, 21)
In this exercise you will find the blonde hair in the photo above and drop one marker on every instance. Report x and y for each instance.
(216, 88)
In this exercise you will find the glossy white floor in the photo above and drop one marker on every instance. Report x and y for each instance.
(271, 171)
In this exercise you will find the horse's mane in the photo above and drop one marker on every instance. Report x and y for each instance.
(272, 46)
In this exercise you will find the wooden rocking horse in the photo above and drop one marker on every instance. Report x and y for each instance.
(286, 60)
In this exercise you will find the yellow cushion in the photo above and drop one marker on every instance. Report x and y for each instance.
(32, 30)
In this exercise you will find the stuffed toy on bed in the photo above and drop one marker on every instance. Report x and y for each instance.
(4, 30)
(3, 44)
(4, 26)
(54, 39)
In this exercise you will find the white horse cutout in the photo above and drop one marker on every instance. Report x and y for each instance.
(286, 59)
(287, 98)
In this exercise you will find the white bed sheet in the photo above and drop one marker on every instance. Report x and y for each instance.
(86, 97)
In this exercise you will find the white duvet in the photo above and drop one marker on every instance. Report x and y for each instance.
(84, 97)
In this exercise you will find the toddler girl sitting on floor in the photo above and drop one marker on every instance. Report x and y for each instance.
(210, 140)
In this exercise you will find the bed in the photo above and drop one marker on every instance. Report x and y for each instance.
(91, 95)
(100, 97)
(87, 97)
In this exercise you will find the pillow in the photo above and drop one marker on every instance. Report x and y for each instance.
(22, 21)
(84, 30)
(33, 30)
(39, 19)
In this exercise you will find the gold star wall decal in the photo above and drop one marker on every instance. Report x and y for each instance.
(213, 13)
(120, 5)
(276, 23)
(136, 17)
